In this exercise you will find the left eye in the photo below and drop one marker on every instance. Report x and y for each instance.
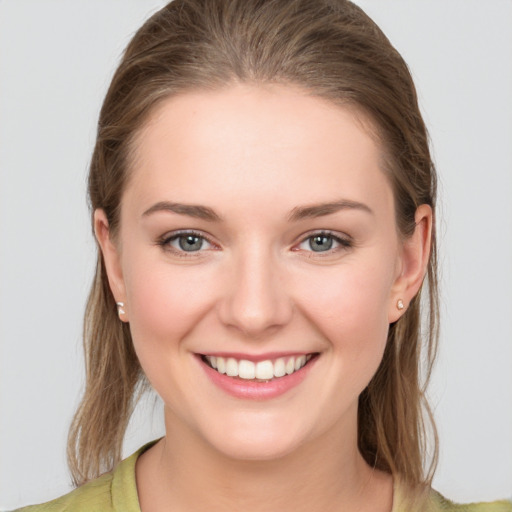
(322, 242)
(188, 242)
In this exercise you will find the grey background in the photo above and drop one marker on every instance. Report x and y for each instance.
(56, 59)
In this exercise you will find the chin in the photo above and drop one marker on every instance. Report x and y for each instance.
(257, 441)
(261, 449)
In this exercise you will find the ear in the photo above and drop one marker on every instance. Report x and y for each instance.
(415, 253)
(112, 259)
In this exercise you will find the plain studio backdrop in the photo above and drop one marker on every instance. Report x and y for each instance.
(56, 60)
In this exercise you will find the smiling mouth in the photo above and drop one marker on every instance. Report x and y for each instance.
(261, 371)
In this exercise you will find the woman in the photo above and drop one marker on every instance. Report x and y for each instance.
(264, 202)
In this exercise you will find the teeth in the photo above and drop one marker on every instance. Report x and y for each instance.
(300, 362)
(221, 365)
(263, 370)
(246, 369)
(279, 367)
(231, 367)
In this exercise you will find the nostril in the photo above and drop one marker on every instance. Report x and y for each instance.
(256, 317)
(255, 300)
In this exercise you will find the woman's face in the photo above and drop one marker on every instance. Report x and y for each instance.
(257, 234)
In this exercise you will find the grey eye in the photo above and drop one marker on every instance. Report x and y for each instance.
(320, 243)
(324, 242)
(185, 242)
(190, 243)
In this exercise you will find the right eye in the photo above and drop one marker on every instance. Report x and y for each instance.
(185, 242)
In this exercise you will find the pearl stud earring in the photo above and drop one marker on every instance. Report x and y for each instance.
(400, 304)
(120, 308)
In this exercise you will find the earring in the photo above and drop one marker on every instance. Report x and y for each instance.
(120, 308)
(400, 304)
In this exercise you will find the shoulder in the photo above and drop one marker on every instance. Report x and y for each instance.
(111, 492)
(94, 495)
(441, 504)
(425, 499)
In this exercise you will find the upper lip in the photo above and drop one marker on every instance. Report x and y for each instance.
(257, 357)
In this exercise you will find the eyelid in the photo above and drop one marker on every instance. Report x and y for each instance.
(164, 241)
(344, 241)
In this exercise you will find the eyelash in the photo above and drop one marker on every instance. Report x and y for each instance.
(165, 241)
(343, 243)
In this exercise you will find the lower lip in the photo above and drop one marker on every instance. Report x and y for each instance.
(253, 390)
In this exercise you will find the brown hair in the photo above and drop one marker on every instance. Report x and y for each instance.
(332, 49)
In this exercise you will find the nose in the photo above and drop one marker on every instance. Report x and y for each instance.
(256, 302)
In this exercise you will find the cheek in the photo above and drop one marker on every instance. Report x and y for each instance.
(166, 301)
(350, 306)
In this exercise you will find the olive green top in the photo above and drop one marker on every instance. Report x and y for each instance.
(117, 492)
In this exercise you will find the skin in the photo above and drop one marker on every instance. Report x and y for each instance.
(254, 155)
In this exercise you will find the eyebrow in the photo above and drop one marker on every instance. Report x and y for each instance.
(321, 209)
(192, 210)
(298, 213)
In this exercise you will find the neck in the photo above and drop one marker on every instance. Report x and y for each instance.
(183, 473)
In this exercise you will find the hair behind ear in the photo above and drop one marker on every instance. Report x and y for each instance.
(112, 372)
(394, 415)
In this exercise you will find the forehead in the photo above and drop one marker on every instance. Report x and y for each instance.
(256, 141)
